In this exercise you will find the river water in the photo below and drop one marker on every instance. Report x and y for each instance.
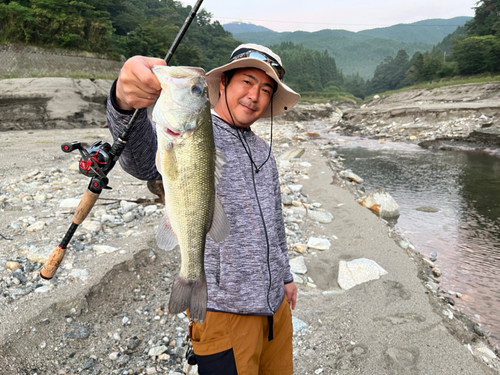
(461, 191)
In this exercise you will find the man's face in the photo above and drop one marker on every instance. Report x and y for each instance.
(248, 96)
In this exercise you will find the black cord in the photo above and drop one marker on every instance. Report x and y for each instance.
(257, 169)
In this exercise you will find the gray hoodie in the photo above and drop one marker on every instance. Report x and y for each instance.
(246, 272)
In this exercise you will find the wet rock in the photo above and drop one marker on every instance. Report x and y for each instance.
(480, 331)
(358, 271)
(348, 174)
(427, 209)
(436, 272)
(484, 350)
(318, 243)
(381, 203)
(298, 265)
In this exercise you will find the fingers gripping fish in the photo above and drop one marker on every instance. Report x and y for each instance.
(191, 168)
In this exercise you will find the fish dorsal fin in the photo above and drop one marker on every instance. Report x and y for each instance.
(165, 237)
(220, 160)
(220, 225)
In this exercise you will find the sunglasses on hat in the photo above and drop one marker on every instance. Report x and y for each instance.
(280, 71)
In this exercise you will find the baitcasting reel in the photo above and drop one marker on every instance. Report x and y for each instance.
(96, 162)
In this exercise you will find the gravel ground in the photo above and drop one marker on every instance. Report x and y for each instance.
(105, 311)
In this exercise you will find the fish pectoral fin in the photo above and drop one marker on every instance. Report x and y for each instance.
(220, 224)
(165, 236)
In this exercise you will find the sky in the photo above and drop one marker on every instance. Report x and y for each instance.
(314, 15)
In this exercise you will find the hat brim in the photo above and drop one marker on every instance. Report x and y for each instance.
(283, 99)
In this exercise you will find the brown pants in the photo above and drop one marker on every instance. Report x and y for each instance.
(248, 337)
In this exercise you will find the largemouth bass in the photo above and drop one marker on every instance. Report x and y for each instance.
(191, 167)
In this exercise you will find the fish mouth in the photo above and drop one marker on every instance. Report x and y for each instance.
(172, 133)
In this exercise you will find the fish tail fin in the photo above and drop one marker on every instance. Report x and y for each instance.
(189, 294)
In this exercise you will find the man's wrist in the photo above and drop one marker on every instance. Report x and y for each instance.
(116, 102)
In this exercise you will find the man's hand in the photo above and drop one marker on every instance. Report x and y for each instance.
(137, 86)
(291, 294)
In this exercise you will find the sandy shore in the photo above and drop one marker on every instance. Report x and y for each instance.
(106, 309)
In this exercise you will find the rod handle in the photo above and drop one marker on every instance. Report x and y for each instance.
(52, 264)
(87, 202)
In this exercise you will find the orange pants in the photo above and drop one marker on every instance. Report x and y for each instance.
(248, 337)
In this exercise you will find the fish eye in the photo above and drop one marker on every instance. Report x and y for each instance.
(196, 90)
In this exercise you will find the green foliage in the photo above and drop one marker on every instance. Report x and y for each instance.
(486, 20)
(118, 27)
(309, 70)
(478, 54)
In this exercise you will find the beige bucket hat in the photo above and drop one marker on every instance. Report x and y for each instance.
(256, 56)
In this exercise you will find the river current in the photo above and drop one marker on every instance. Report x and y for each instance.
(449, 203)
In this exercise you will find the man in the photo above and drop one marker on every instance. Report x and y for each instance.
(248, 328)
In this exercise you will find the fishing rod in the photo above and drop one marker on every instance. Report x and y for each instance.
(96, 162)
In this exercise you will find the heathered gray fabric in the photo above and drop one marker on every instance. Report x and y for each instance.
(244, 274)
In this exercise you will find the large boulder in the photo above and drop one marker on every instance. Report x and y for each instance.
(358, 271)
(381, 203)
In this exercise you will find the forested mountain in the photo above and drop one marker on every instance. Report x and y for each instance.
(353, 52)
(470, 50)
(240, 27)
(361, 52)
(430, 31)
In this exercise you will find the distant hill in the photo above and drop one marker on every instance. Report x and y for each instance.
(353, 53)
(240, 27)
(430, 31)
(361, 52)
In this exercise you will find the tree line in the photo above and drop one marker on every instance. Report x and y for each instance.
(116, 27)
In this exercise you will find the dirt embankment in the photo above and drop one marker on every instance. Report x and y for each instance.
(468, 112)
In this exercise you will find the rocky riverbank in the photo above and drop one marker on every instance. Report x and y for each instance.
(460, 116)
(105, 311)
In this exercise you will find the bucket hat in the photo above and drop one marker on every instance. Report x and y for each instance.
(251, 55)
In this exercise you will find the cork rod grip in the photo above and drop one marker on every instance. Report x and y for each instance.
(52, 264)
(86, 204)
